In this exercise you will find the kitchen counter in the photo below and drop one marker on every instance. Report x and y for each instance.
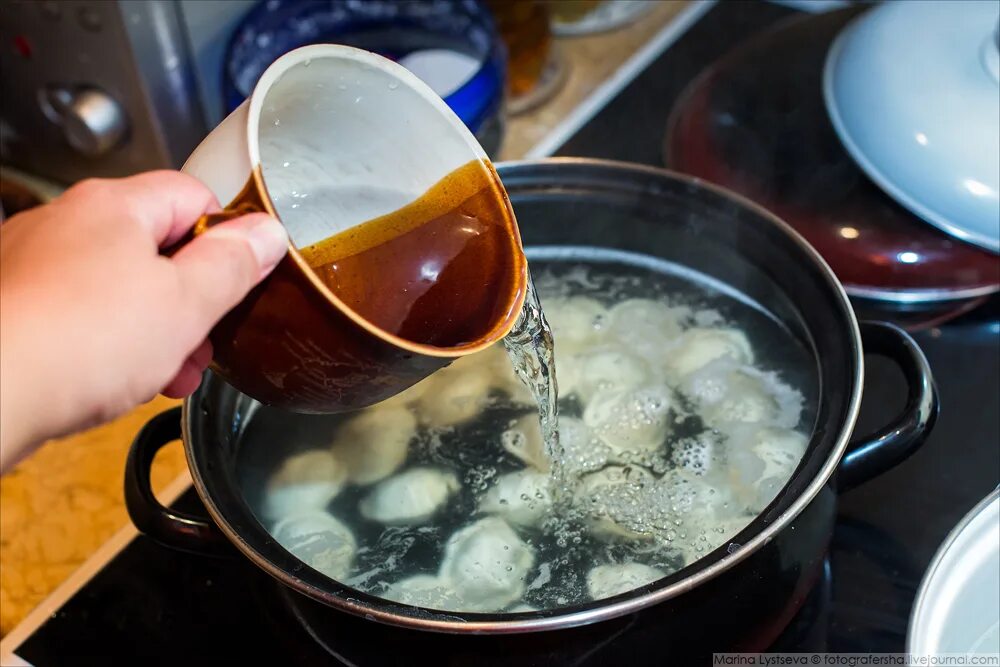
(61, 504)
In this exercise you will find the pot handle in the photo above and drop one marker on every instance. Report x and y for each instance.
(873, 454)
(178, 530)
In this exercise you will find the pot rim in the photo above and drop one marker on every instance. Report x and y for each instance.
(509, 623)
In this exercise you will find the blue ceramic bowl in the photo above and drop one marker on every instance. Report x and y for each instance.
(913, 91)
(389, 27)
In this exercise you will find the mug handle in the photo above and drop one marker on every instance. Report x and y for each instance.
(871, 455)
(247, 201)
(172, 528)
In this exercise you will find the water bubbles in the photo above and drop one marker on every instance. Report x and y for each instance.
(285, 164)
(277, 122)
(307, 62)
(357, 99)
(341, 86)
(393, 85)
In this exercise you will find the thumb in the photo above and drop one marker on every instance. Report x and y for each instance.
(219, 267)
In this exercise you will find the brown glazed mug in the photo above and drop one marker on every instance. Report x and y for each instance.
(333, 137)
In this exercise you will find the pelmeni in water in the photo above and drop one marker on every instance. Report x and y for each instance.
(676, 430)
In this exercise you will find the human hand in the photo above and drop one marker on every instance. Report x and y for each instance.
(94, 320)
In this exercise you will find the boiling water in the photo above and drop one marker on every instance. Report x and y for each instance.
(684, 409)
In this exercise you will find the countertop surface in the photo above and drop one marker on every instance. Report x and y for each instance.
(59, 505)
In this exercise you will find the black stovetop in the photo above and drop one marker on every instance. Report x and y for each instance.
(153, 606)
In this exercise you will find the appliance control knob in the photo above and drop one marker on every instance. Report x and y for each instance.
(92, 121)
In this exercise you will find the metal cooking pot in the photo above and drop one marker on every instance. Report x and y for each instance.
(762, 574)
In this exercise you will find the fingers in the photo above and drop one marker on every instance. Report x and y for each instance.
(164, 203)
(188, 377)
(219, 267)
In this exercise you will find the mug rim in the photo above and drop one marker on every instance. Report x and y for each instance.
(252, 128)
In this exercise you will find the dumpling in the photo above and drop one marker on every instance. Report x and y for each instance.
(487, 563)
(728, 395)
(502, 373)
(692, 501)
(614, 476)
(577, 319)
(523, 439)
(646, 326)
(318, 540)
(407, 397)
(699, 455)
(631, 421)
(582, 451)
(781, 451)
(611, 498)
(606, 369)
(409, 498)
(567, 374)
(456, 394)
(605, 581)
(373, 444)
(700, 347)
(747, 400)
(305, 481)
(715, 534)
(521, 497)
(708, 384)
(423, 590)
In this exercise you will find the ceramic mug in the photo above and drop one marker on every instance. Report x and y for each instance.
(332, 137)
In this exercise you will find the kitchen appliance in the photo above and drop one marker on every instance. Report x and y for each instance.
(95, 88)
(110, 88)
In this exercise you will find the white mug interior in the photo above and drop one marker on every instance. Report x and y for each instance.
(343, 136)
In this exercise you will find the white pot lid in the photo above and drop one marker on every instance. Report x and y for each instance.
(957, 610)
(913, 91)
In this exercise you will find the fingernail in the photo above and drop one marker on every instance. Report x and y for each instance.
(269, 242)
